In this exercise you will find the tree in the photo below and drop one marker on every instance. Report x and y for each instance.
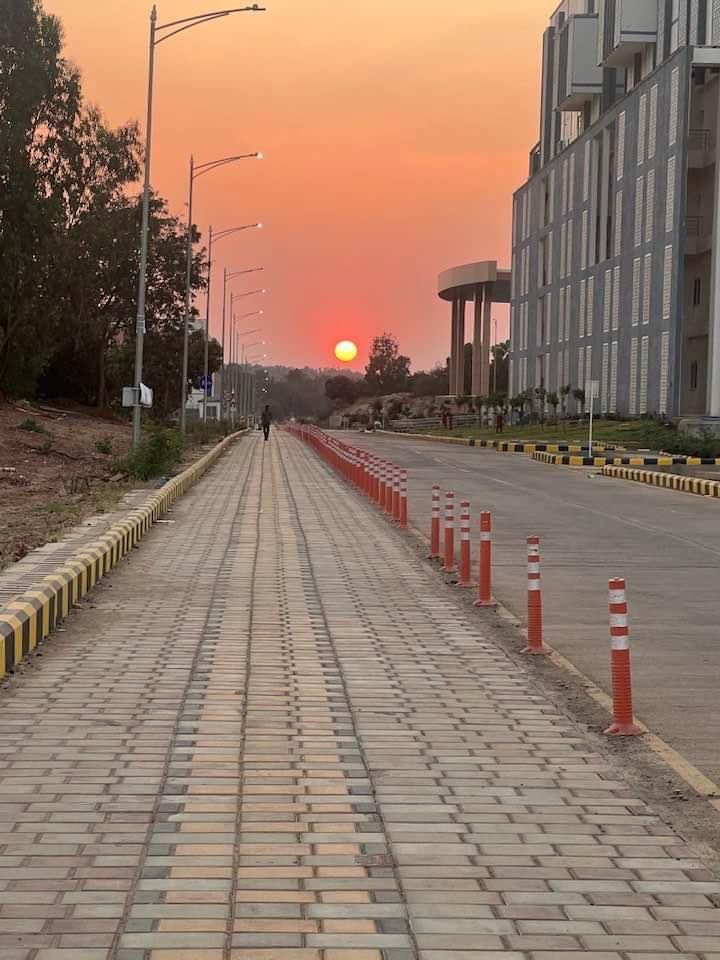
(579, 395)
(387, 370)
(565, 392)
(432, 383)
(553, 401)
(39, 107)
(343, 390)
(500, 367)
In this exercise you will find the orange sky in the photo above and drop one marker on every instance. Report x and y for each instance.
(394, 134)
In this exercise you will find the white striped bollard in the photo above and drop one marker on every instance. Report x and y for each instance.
(465, 562)
(623, 724)
(535, 645)
(449, 564)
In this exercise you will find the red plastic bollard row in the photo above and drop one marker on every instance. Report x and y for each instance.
(623, 724)
(535, 645)
(384, 483)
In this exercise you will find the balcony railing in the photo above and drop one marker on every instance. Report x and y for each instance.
(694, 226)
(699, 140)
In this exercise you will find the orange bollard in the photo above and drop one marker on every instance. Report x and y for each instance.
(623, 724)
(485, 579)
(396, 495)
(465, 563)
(449, 564)
(389, 489)
(535, 631)
(435, 524)
(382, 467)
(403, 499)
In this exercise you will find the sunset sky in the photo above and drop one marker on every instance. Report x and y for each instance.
(394, 134)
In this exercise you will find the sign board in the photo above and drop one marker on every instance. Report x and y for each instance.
(592, 389)
(130, 396)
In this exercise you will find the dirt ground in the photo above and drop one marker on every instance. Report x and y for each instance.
(55, 469)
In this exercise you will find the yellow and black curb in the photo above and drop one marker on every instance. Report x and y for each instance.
(670, 481)
(31, 617)
(503, 446)
(657, 461)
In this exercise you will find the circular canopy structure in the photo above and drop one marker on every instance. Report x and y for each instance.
(483, 284)
(461, 283)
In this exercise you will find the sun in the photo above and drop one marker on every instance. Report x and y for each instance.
(346, 351)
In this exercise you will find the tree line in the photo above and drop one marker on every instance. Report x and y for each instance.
(69, 230)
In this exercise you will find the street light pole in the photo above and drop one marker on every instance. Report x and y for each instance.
(159, 33)
(188, 281)
(142, 280)
(226, 278)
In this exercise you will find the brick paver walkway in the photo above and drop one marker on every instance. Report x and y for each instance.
(270, 738)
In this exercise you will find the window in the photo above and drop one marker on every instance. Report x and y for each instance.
(568, 305)
(650, 207)
(642, 125)
(561, 314)
(618, 222)
(621, 146)
(636, 292)
(667, 283)
(581, 311)
(581, 368)
(637, 69)
(568, 259)
(644, 350)
(664, 371)
(604, 378)
(607, 300)
(584, 241)
(564, 200)
(571, 187)
(590, 306)
(697, 292)
(633, 376)
(670, 195)
(694, 375)
(674, 104)
(616, 299)
(563, 248)
(652, 130)
(613, 376)
(674, 25)
(586, 171)
(639, 194)
(588, 372)
(647, 288)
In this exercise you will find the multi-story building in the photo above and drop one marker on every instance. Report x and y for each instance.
(616, 233)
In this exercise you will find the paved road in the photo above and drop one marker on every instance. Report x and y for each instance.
(269, 738)
(666, 544)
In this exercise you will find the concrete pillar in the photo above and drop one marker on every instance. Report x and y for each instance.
(712, 397)
(453, 349)
(477, 343)
(487, 319)
(460, 375)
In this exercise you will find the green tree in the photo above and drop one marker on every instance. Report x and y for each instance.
(39, 109)
(553, 400)
(387, 370)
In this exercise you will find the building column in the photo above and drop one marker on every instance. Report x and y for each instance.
(712, 396)
(460, 374)
(477, 343)
(487, 320)
(453, 348)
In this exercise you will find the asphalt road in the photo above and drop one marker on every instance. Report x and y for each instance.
(666, 544)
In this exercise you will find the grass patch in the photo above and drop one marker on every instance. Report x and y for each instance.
(633, 434)
(58, 507)
(158, 452)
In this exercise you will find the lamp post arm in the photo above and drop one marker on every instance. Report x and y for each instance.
(214, 164)
(180, 26)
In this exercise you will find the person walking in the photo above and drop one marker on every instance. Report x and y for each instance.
(266, 420)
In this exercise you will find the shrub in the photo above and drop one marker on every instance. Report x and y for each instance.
(104, 445)
(156, 455)
(32, 425)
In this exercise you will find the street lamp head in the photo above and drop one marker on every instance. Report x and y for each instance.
(259, 226)
(260, 156)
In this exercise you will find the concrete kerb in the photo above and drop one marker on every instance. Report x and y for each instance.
(503, 446)
(661, 460)
(29, 619)
(668, 481)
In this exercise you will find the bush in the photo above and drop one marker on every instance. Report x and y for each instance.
(157, 454)
(32, 425)
(104, 445)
